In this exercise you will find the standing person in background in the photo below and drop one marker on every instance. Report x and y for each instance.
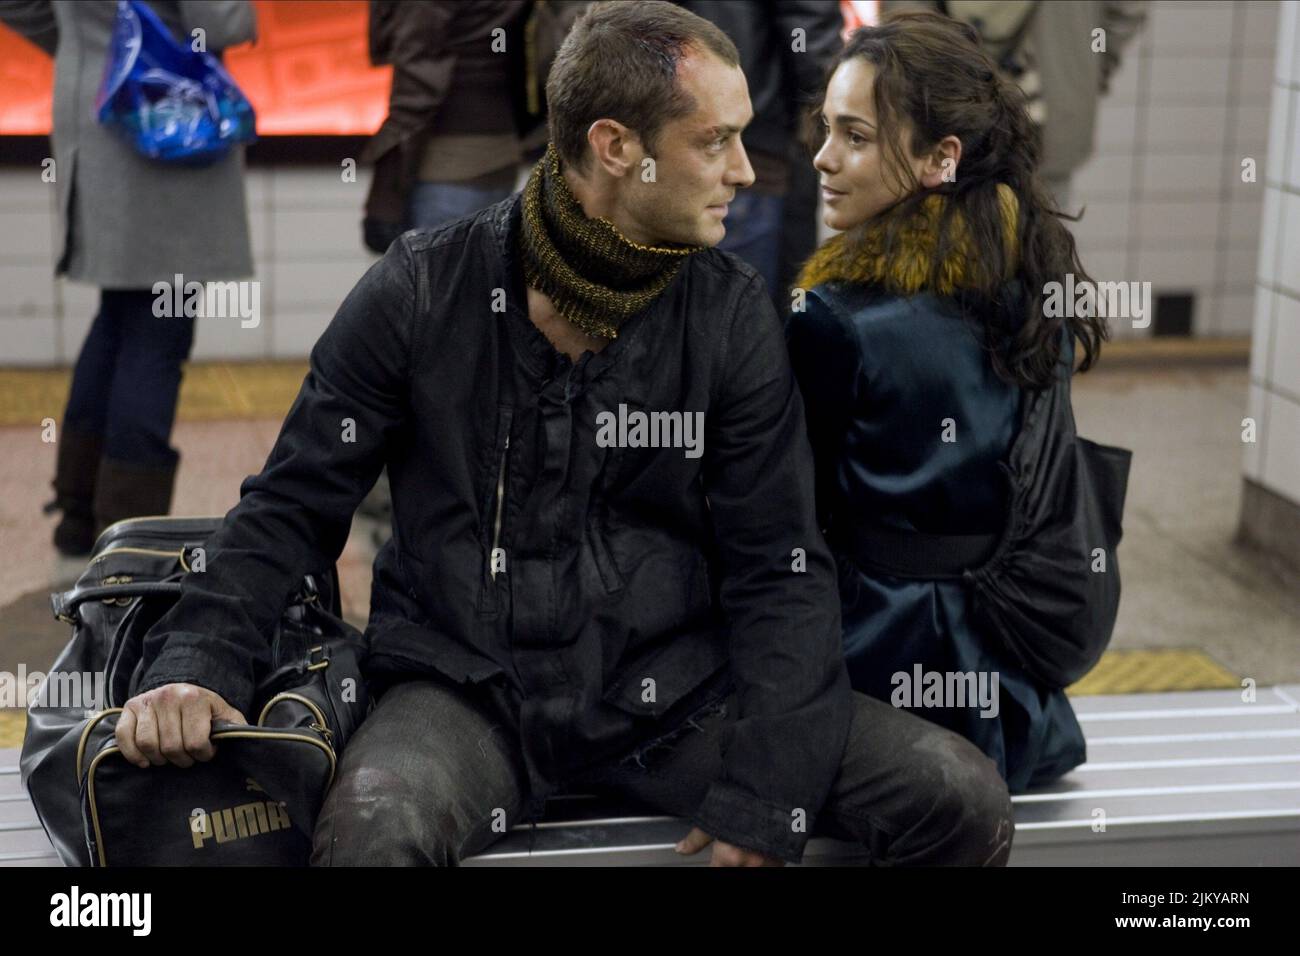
(450, 145)
(1047, 49)
(129, 222)
(785, 70)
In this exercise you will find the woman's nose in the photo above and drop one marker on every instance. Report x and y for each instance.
(824, 161)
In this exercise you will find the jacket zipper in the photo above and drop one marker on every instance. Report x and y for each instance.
(501, 497)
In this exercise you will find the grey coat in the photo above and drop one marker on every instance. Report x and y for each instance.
(129, 221)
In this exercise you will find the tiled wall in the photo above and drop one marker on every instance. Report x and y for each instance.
(1165, 202)
(1164, 194)
(1273, 461)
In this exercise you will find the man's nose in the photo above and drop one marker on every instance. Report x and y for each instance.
(740, 174)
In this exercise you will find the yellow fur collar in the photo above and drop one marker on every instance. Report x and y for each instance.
(859, 256)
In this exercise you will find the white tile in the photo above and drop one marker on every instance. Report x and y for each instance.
(1111, 266)
(1183, 222)
(1235, 313)
(1205, 315)
(1179, 80)
(1185, 127)
(1252, 456)
(1189, 28)
(294, 333)
(1239, 264)
(27, 237)
(1103, 223)
(28, 290)
(27, 341)
(1254, 78)
(1104, 176)
(1124, 81)
(304, 235)
(1281, 459)
(1293, 162)
(1288, 34)
(1284, 359)
(1267, 261)
(314, 283)
(225, 338)
(1283, 42)
(77, 298)
(1187, 174)
(1175, 269)
(1260, 334)
(71, 333)
(1117, 128)
(312, 187)
(1245, 213)
(1260, 32)
(1279, 133)
(1250, 129)
(1288, 267)
(257, 188)
(22, 188)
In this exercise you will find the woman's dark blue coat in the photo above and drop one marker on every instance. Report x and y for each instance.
(886, 379)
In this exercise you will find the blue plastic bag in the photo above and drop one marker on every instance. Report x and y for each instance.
(170, 102)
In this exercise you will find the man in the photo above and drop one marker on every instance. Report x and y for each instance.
(572, 597)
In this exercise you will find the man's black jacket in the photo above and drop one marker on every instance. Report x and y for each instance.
(639, 584)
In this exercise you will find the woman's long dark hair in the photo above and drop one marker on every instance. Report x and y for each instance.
(931, 70)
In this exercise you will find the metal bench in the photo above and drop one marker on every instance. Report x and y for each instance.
(1199, 778)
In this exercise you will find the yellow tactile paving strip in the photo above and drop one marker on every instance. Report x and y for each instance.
(243, 390)
(1142, 672)
(1118, 672)
(210, 391)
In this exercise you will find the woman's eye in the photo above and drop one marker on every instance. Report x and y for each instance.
(856, 140)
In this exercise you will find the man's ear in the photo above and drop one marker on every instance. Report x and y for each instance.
(616, 148)
(940, 164)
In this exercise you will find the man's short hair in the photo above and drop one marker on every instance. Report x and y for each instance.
(620, 62)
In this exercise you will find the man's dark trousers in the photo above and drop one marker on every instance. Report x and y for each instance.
(431, 777)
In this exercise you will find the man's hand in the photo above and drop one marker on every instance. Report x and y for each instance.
(171, 724)
(724, 854)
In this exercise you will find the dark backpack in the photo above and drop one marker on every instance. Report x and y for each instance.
(1048, 586)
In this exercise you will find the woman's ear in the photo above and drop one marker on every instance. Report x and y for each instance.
(940, 164)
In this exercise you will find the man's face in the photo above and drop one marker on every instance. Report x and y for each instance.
(857, 177)
(699, 162)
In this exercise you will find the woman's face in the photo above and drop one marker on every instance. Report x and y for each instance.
(856, 178)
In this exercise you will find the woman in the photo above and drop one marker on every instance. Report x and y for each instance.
(129, 222)
(921, 330)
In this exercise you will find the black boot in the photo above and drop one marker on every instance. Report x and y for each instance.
(127, 490)
(74, 490)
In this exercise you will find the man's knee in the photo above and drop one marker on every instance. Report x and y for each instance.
(970, 820)
(376, 818)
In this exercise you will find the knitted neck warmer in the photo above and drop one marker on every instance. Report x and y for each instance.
(596, 277)
(860, 254)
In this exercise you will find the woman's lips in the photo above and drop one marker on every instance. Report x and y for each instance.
(830, 195)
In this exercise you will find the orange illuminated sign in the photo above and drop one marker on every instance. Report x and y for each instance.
(309, 73)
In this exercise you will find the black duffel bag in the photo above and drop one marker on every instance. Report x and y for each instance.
(1047, 587)
(256, 802)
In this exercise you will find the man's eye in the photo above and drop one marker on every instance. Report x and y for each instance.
(718, 143)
